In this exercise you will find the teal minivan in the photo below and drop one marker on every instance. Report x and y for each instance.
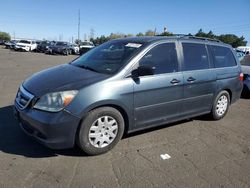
(126, 85)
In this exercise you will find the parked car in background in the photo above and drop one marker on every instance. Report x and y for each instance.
(2, 42)
(126, 85)
(11, 44)
(44, 45)
(37, 43)
(60, 47)
(245, 66)
(75, 49)
(25, 45)
(245, 49)
(240, 54)
(86, 46)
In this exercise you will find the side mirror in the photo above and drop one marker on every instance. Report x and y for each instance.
(142, 71)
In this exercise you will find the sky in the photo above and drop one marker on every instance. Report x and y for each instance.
(58, 19)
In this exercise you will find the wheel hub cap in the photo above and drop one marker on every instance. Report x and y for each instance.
(103, 131)
(221, 106)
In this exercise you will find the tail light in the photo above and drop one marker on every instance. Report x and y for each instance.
(241, 77)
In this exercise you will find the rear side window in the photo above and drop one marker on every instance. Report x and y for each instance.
(222, 56)
(195, 56)
(162, 58)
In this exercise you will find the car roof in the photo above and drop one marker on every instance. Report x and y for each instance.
(153, 39)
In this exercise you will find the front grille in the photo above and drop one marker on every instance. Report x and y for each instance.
(23, 98)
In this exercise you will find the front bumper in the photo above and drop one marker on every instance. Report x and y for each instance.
(54, 51)
(54, 130)
(22, 48)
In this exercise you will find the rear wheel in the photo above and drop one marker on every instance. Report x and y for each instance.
(221, 105)
(100, 131)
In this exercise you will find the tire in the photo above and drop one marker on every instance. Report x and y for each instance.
(100, 126)
(65, 52)
(221, 105)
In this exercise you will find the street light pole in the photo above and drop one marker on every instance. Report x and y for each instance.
(79, 26)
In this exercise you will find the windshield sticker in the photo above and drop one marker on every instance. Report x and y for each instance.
(133, 45)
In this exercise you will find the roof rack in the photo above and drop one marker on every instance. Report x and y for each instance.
(198, 38)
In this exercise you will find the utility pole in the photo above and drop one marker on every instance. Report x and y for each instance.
(155, 31)
(92, 33)
(79, 25)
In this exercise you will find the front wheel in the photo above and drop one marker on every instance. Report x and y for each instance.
(100, 131)
(221, 105)
(65, 52)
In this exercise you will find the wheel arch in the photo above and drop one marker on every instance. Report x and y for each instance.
(227, 89)
(230, 93)
(122, 111)
(118, 107)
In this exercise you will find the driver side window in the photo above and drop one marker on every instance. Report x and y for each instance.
(162, 58)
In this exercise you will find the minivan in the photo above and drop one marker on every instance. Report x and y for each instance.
(126, 85)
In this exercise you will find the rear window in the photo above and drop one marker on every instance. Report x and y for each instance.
(222, 56)
(195, 56)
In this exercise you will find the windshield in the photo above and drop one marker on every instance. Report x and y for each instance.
(245, 61)
(87, 44)
(109, 57)
(61, 43)
(25, 41)
(45, 43)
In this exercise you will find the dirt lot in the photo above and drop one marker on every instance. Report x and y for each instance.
(203, 153)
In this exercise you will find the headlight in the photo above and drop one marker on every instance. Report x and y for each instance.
(54, 102)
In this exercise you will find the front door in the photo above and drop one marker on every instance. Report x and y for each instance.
(157, 97)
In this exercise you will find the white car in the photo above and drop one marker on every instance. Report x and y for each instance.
(75, 49)
(26, 45)
(245, 49)
(86, 46)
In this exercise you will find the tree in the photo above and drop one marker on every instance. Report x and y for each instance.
(210, 34)
(78, 41)
(100, 40)
(116, 35)
(129, 35)
(166, 33)
(5, 36)
(139, 34)
(233, 40)
(200, 33)
(149, 33)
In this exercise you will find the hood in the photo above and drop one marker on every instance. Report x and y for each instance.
(61, 78)
(22, 44)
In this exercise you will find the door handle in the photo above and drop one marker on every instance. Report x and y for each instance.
(175, 81)
(191, 79)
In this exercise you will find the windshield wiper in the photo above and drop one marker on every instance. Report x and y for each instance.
(88, 68)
